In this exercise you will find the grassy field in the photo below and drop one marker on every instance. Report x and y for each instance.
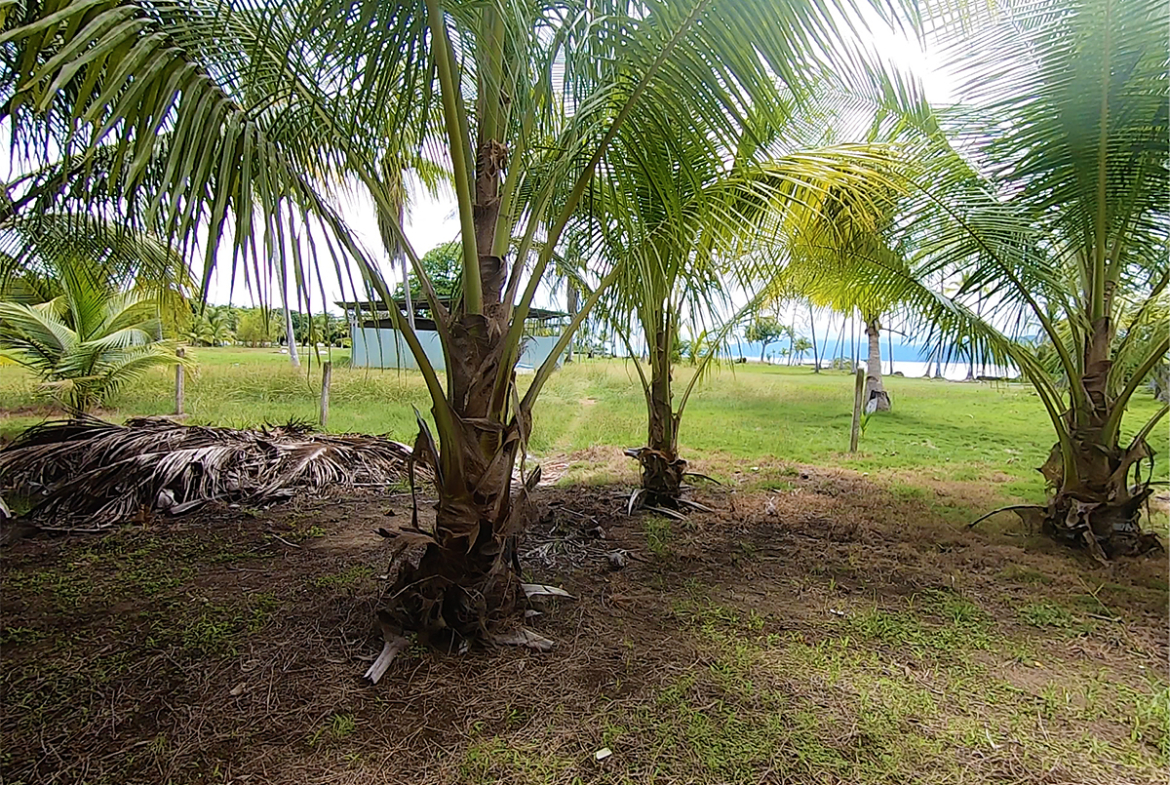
(830, 621)
(739, 418)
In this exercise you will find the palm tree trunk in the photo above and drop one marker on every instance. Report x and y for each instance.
(289, 333)
(1097, 506)
(890, 346)
(406, 295)
(839, 349)
(853, 342)
(571, 297)
(791, 338)
(812, 326)
(875, 394)
(468, 577)
(662, 469)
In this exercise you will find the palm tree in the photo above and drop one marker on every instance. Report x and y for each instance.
(800, 347)
(253, 113)
(211, 327)
(87, 343)
(1049, 192)
(680, 222)
(833, 244)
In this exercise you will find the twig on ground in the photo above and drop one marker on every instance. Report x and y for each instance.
(1009, 508)
(276, 536)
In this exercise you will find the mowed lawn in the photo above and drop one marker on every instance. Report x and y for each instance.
(741, 418)
(830, 620)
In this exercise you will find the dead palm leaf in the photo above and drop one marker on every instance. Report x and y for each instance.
(96, 474)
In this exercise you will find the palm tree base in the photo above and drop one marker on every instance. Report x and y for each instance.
(1097, 508)
(452, 597)
(878, 401)
(662, 478)
(1106, 528)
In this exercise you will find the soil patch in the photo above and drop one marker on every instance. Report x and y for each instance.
(830, 631)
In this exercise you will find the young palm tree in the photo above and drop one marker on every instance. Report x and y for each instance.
(682, 225)
(242, 115)
(89, 342)
(831, 245)
(1049, 192)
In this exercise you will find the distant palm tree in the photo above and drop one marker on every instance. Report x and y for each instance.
(88, 343)
(212, 327)
(800, 347)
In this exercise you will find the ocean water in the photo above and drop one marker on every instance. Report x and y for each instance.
(908, 360)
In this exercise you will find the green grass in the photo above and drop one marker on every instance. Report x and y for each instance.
(754, 681)
(940, 430)
(905, 694)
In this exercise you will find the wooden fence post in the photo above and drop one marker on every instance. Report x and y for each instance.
(180, 380)
(858, 391)
(326, 378)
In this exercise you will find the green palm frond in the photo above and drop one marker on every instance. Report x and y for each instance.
(88, 343)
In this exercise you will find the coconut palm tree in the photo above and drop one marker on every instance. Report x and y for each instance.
(800, 348)
(832, 243)
(244, 116)
(686, 221)
(1048, 191)
(212, 327)
(87, 343)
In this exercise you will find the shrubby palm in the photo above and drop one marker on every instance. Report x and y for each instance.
(87, 343)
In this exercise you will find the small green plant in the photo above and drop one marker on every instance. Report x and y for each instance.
(865, 421)
(347, 580)
(658, 536)
(21, 635)
(336, 728)
(1047, 614)
(89, 341)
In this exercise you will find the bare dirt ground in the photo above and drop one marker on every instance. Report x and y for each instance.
(826, 631)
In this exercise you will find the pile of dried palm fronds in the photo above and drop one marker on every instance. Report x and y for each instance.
(88, 473)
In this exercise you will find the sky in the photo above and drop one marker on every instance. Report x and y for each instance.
(432, 220)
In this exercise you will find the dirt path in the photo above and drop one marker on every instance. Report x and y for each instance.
(830, 632)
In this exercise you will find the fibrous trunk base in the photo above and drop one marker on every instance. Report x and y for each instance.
(662, 477)
(878, 401)
(450, 599)
(1107, 529)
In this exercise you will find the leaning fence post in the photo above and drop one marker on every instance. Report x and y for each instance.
(858, 391)
(180, 380)
(326, 378)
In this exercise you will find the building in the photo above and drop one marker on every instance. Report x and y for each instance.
(376, 344)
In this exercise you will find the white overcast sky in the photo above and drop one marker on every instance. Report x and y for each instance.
(432, 221)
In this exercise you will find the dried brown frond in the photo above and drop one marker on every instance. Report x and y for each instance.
(91, 473)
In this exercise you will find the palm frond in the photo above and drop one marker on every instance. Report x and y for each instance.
(88, 473)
